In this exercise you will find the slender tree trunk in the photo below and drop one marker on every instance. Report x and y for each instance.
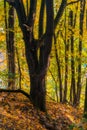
(10, 46)
(66, 42)
(59, 70)
(66, 71)
(73, 87)
(86, 19)
(73, 24)
(19, 68)
(85, 103)
(10, 49)
(82, 9)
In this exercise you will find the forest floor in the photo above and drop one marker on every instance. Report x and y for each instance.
(17, 113)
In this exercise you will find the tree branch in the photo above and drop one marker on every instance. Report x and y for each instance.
(61, 10)
(31, 16)
(19, 6)
(60, 13)
(41, 18)
(73, 2)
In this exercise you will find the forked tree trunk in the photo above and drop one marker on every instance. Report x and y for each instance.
(37, 63)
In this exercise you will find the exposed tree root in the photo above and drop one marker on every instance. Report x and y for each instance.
(16, 91)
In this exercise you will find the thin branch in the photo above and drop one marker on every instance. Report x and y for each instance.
(41, 18)
(60, 12)
(73, 2)
(19, 68)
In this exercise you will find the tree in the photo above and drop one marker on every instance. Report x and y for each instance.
(82, 10)
(9, 23)
(73, 88)
(37, 63)
(58, 70)
(66, 42)
(85, 103)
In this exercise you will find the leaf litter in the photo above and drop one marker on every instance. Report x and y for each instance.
(17, 113)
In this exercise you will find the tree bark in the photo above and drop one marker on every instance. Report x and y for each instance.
(85, 103)
(82, 10)
(59, 71)
(38, 91)
(66, 42)
(73, 84)
(9, 23)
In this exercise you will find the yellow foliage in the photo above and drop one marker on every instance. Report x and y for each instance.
(2, 38)
(75, 128)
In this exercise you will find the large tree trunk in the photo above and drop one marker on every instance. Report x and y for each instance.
(38, 91)
(37, 63)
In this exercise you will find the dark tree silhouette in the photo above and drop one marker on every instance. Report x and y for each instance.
(37, 65)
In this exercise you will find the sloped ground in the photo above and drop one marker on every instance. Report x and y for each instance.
(17, 113)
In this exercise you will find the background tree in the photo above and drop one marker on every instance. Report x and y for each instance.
(82, 10)
(9, 23)
(85, 103)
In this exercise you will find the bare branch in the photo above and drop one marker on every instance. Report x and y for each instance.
(60, 12)
(73, 2)
(19, 6)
